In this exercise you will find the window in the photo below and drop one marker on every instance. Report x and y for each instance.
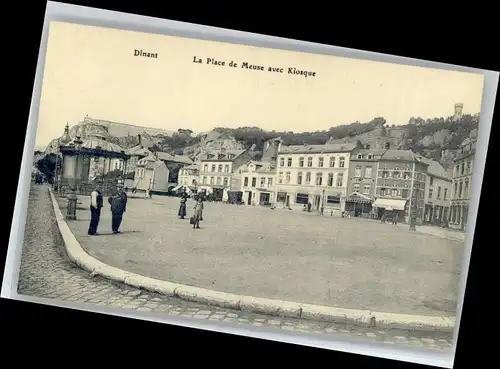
(439, 193)
(430, 193)
(330, 179)
(460, 190)
(205, 168)
(219, 181)
(226, 181)
(445, 194)
(212, 179)
(455, 190)
(282, 162)
(407, 175)
(370, 156)
(359, 156)
(116, 165)
(309, 161)
(289, 162)
(320, 162)
(204, 180)
(333, 200)
(254, 182)
(302, 198)
(213, 168)
(340, 179)
(457, 170)
(385, 174)
(469, 167)
(262, 181)
(466, 189)
(280, 177)
(356, 187)
(404, 193)
(357, 172)
(368, 172)
(299, 178)
(245, 182)
(308, 177)
(220, 168)
(319, 179)
(431, 181)
(301, 162)
(226, 168)
(366, 189)
(270, 181)
(394, 192)
(383, 191)
(462, 169)
(332, 161)
(396, 174)
(341, 162)
(287, 177)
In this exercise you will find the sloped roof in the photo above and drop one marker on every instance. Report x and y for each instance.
(94, 142)
(326, 148)
(139, 150)
(193, 166)
(165, 156)
(435, 169)
(222, 155)
(403, 155)
(154, 164)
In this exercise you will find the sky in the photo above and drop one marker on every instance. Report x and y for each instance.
(93, 71)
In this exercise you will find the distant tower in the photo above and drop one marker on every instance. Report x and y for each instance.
(458, 111)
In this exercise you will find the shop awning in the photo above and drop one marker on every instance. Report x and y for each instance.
(359, 198)
(390, 204)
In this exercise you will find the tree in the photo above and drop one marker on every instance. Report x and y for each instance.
(47, 166)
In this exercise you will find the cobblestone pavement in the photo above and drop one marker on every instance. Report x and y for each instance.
(46, 272)
(281, 254)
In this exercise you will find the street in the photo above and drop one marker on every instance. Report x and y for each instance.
(281, 254)
(46, 272)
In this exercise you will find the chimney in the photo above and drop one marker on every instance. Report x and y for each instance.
(139, 139)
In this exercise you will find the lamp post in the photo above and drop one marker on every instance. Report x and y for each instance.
(413, 209)
(322, 202)
(72, 197)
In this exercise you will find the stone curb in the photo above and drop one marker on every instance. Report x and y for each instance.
(245, 303)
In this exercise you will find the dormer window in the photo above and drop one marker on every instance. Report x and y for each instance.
(370, 156)
(360, 156)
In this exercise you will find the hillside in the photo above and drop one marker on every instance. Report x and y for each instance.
(437, 138)
(117, 129)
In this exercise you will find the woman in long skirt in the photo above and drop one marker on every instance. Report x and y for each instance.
(198, 212)
(182, 207)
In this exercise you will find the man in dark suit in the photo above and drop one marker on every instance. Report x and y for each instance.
(118, 202)
(96, 204)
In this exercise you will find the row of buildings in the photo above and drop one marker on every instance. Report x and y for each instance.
(334, 178)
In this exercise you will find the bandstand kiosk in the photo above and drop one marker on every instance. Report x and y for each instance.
(87, 158)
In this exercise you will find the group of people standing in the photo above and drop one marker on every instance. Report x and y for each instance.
(118, 206)
(198, 210)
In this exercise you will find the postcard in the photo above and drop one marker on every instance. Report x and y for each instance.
(231, 183)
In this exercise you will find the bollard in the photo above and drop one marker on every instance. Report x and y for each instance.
(71, 209)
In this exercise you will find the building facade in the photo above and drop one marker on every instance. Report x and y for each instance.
(189, 176)
(258, 181)
(135, 154)
(400, 185)
(151, 174)
(463, 167)
(361, 184)
(437, 194)
(314, 176)
(220, 171)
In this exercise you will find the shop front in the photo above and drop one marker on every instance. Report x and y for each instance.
(359, 205)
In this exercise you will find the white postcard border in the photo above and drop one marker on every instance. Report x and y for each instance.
(132, 22)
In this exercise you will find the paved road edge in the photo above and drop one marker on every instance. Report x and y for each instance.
(245, 303)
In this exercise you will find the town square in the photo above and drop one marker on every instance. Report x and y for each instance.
(342, 208)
